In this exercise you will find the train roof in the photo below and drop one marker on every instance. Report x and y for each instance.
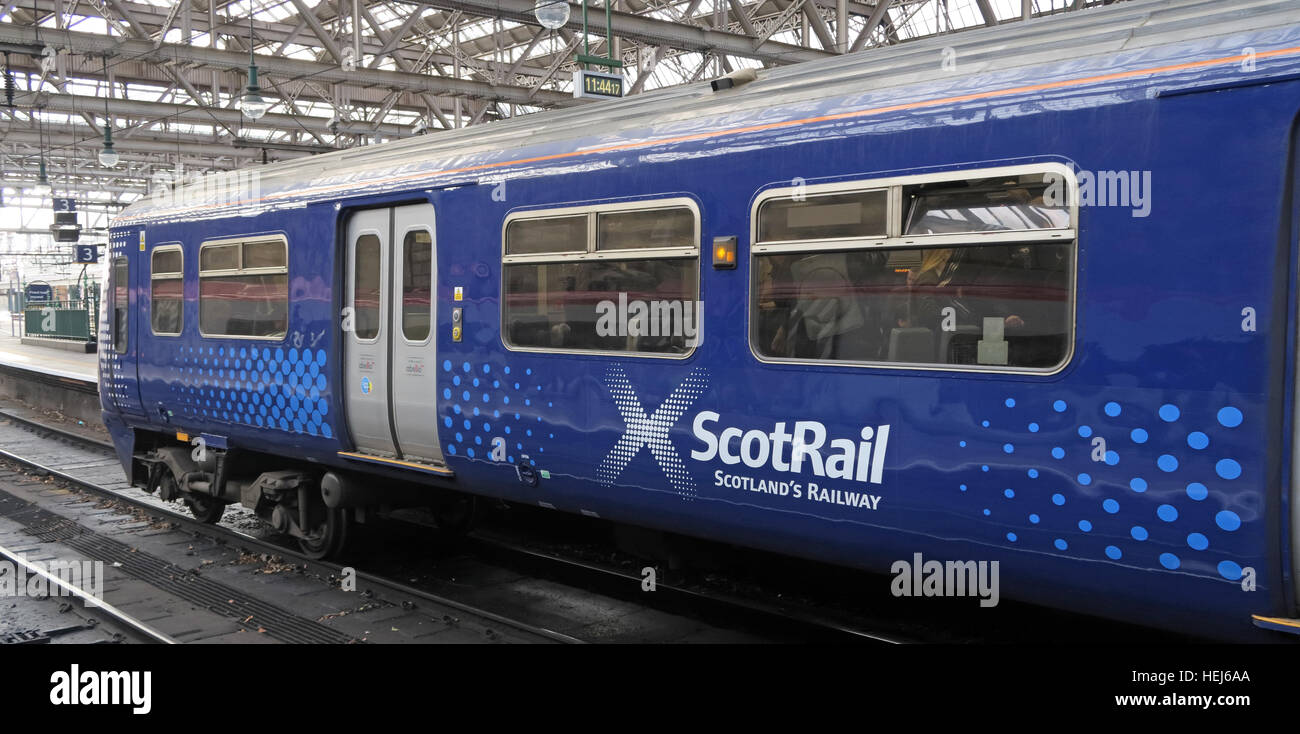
(1093, 53)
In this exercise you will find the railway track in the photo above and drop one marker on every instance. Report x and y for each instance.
(758, 621)
(130, 626)
(607, 578)
(487, 552)
(372, 583)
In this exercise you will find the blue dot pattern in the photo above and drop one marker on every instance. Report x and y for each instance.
(268, 387)
(495, 407)
(1147, 475)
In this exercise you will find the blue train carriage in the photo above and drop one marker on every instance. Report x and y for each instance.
(922, 304)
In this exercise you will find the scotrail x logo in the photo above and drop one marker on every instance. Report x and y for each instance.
(641, 430)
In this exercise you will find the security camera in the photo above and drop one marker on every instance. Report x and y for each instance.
(737, 78)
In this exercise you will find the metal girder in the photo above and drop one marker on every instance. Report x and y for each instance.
(131, 72)
(142, 109)
(653, 61)
(572, 47)
(742, 17)
(878, 16)
(396, 46)
(818, 25)
(140, 32)
(123, 175)
(644, 29)
(108, 188)
(431, 102)
(93, 44)
(63, 141)
(322, 35)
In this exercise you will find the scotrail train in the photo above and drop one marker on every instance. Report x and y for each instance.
(1028, 299)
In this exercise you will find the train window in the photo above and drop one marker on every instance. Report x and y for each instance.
(166, 286)
(366, 277)
(967, 298)
(642, 305)
(121, 303)
(632, 287)
(264, 255)
(987, 205)
(547, 235)
(219, 257)
(417, 285)
(645, 228)
(244, 289)
(824, 216)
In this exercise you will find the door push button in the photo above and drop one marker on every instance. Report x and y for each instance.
(456, 330)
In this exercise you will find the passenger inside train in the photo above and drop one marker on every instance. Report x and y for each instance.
(1000, 303)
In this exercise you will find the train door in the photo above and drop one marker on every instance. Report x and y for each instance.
(413, 367)
(123, 386)
(390, 350)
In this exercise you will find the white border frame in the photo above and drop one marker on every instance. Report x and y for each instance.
(591, 254)
(247, 239)
(433, 284)
(167, 247)
(897, 241)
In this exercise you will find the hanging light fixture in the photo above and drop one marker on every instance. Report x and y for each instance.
(552, 14)
(108, 157)
(252, 104)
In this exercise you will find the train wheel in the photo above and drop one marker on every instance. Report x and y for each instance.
(205, 509)
(330, 536)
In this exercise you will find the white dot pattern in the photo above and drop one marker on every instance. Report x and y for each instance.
(652, 431)
(114, 383)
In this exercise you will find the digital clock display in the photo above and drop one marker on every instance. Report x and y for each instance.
(593, 84)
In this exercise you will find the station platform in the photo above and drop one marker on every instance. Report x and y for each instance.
(49, 360)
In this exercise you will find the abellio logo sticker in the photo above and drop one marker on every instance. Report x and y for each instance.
(851, 465)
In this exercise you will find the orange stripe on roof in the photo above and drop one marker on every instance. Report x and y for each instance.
(921, 104)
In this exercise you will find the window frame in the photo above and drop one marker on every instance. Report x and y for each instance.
(572, 212)
(592, 254)
(126, 343)
(350, 297)
(896, 240)
(892, 229)
(433, 285)
(246, 239)
(171, 246)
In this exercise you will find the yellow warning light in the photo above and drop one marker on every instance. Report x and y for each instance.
(185, 437)
(724, 253)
